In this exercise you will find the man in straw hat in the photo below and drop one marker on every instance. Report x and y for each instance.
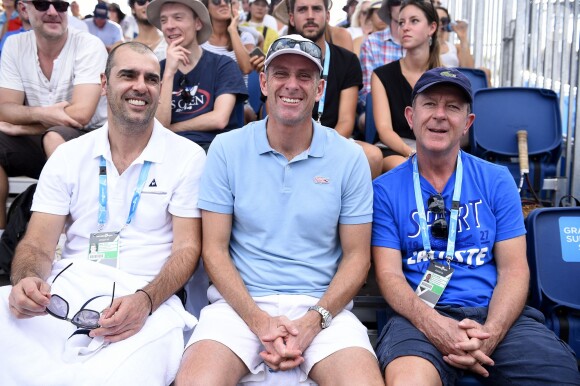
(200, 89)
(286, 233)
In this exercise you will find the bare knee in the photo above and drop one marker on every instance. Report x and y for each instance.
(50, 141)
(392, 162)
(374, 157)
(209, 362)
(410, 370)
(349, 366)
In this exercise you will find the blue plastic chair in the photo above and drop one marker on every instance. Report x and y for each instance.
(255, 93)
(554, 260)
(370, 127)
(477, 77)
(501, 112)
(553, 242)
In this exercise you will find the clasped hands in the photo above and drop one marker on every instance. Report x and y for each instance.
(466, 344)
(285, 340)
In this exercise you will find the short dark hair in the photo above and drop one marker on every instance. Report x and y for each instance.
(292, 4)
(135, 46)
(389, 4)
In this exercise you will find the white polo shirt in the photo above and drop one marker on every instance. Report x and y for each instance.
(69, 186)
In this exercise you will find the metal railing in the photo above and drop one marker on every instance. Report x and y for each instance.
(531, 43)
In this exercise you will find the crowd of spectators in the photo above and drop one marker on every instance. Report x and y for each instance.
(56, 85)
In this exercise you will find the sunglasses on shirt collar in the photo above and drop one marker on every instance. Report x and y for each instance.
(43, 5)
(439, 227)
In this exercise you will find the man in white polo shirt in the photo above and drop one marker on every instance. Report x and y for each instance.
(126, 195)
(287, 209)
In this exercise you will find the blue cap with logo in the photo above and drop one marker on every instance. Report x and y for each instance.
(442, 75)
(101, 11)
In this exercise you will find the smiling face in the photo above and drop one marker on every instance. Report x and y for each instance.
(221, 12)
(309, 18)
(414, 28)
(292, 84)
(439, 118)
(50, 24)
(132, 86)
(178, 20)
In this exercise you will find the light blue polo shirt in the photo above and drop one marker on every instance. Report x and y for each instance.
(285, 214)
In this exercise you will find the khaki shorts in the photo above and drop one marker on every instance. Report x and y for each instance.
(219, 322)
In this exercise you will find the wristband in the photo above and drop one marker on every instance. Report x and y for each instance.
(150, 300)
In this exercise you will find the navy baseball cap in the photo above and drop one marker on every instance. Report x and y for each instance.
(442, 75)
(101, 11)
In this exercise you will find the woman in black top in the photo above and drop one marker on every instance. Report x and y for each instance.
(392, 84)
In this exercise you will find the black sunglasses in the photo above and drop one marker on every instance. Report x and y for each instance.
(84, 318)
(218, 2)
(445, 21)
(308, 47)
(43, 5)
(439, 228)
(142, 2)
(185, 94)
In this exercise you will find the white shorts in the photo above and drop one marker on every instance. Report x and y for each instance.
(219, 322)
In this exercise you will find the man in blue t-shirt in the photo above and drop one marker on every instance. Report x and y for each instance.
(201, 90)
(450, 254)
(286, 219)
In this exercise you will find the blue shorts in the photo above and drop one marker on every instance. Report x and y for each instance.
(530, 354)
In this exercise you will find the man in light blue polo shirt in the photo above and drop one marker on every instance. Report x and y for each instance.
(287, 206)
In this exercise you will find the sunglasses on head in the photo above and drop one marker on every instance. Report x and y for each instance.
(218, 2)
(43, 5)
(436, 205)
(307, 47)
(142, 2)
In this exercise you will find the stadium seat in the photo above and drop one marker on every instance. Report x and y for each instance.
(370, 128)
(476, 76)
(553, 242)
(255, 93)
(501, 112)
(239, 112)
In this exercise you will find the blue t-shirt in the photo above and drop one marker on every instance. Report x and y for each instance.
(213, 76)
(284, 237)
(490, 211)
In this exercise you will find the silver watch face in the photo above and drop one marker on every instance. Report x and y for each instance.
(326, 317)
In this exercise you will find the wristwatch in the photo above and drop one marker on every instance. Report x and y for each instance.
(326, 316)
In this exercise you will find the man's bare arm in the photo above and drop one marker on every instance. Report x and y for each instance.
(347, 108)
(128, 314)
(217, 119)
(32, 264)
(443, 332)
(185, 254)
(76, 113)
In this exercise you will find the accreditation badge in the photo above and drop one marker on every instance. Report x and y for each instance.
(434, 282)
(104, 248)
